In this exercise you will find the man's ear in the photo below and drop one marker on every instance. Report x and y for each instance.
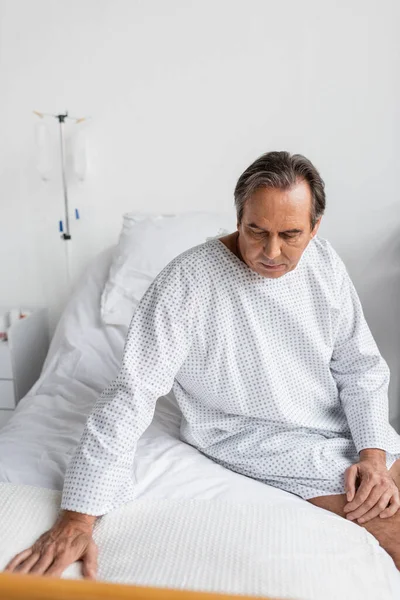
(316, 227)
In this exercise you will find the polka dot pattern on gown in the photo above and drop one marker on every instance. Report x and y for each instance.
(277, 379)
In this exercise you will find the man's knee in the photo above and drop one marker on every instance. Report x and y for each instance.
(386, 531)
(334, 503)
(395, 472)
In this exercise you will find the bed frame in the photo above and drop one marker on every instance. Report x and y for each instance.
(31, 587)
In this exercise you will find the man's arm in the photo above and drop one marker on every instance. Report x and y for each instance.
(99, 477)
(361, 374)
(362, 377)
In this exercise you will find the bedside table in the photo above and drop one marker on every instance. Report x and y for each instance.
(21, 359)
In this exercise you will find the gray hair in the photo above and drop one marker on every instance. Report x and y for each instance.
(280, 170)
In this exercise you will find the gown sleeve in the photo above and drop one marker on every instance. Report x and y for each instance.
(360, 372)
(99, 476)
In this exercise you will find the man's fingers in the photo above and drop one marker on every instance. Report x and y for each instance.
(43, 563)
(89, 567)
(393, 508)
(380, 505)
(369, 503)
(26, 566)
(360, 497)
(18, 559)
(58, 566)
(350, 482)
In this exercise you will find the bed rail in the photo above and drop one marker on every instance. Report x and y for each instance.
(30, 587)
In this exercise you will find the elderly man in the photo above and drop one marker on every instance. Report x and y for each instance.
(262, 338)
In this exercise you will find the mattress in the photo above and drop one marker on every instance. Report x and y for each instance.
(298, 538)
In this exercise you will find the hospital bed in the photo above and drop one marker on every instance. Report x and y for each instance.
(194, 525)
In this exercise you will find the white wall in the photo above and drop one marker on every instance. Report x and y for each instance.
(183, 95)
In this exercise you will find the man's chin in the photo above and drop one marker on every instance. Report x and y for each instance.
(273, 272)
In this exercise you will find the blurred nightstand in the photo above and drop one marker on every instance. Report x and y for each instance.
(21, 359)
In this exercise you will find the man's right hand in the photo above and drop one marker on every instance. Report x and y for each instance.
(70, 539)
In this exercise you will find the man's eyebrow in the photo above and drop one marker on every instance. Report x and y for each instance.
(286, 231)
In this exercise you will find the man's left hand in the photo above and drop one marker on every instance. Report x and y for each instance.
(377, 493)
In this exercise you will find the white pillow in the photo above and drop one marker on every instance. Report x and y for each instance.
(147, 243)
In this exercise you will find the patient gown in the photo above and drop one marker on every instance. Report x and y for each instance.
(277, 379)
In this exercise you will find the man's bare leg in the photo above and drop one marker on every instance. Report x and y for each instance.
(386, 531)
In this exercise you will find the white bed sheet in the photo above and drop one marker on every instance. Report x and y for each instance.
(36, 444)
(220, 546)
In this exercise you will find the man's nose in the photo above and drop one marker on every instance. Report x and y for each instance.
(272, 248)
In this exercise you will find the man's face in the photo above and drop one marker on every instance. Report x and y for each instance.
(276, 229)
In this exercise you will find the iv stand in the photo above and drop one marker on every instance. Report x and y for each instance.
(66, 235)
